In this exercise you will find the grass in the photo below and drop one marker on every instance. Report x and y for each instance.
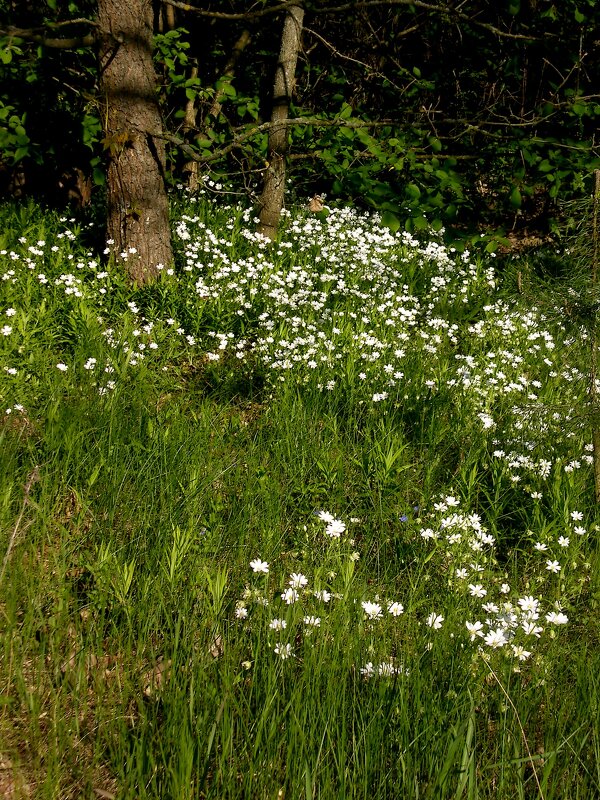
(245, 523)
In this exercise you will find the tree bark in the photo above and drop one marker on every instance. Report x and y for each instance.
(272, 197)
(137, 214)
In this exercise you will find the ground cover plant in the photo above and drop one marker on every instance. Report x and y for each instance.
(305, 519)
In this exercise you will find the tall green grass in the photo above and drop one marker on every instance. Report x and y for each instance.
(138, 654)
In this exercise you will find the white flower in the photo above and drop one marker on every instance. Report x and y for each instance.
(324, 516)
(335, 528)
(531, 629)
(241, 612)
(490, 608)
(477, 590)
(323, 595)
(259, 566)
(495, 638)
(372, 610)
(434, 621)
(297, 581)
(277, 624)
(553, 566)
(529, 604)
(62, 367)
(580, 530)
(576, 516)
(283, 650)
(368, 669)
(541, 546)
(290, 596)
(557, 618)
(475, 629)
(520, 652)
(395, 609)
(313, 622)
(563, 541)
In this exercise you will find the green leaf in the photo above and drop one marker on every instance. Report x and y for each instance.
(413, 191)
(98, 176)
(579, 17)
(20, 153)
(391, 221)
(515, 198)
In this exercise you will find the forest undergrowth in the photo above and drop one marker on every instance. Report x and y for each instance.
(306, 519)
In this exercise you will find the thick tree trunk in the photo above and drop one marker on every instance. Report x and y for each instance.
(138, 215)
(271, 201)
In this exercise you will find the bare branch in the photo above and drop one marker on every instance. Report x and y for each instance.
(247, 133)
(352, 6)
(80, 21)
(372, 72)
(39, 36)
(58, 44)
(260, 12)
(448, 10)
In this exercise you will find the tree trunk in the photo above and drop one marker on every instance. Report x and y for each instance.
(138, 214)
(191, 110)
(271, 201)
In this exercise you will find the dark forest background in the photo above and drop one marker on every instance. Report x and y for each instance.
(473, 114)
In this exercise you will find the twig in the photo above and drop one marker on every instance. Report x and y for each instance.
(227, 15)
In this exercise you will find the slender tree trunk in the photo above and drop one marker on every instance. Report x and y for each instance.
(271, 201)
(138, 215)
(191, 110)
(190, 168)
